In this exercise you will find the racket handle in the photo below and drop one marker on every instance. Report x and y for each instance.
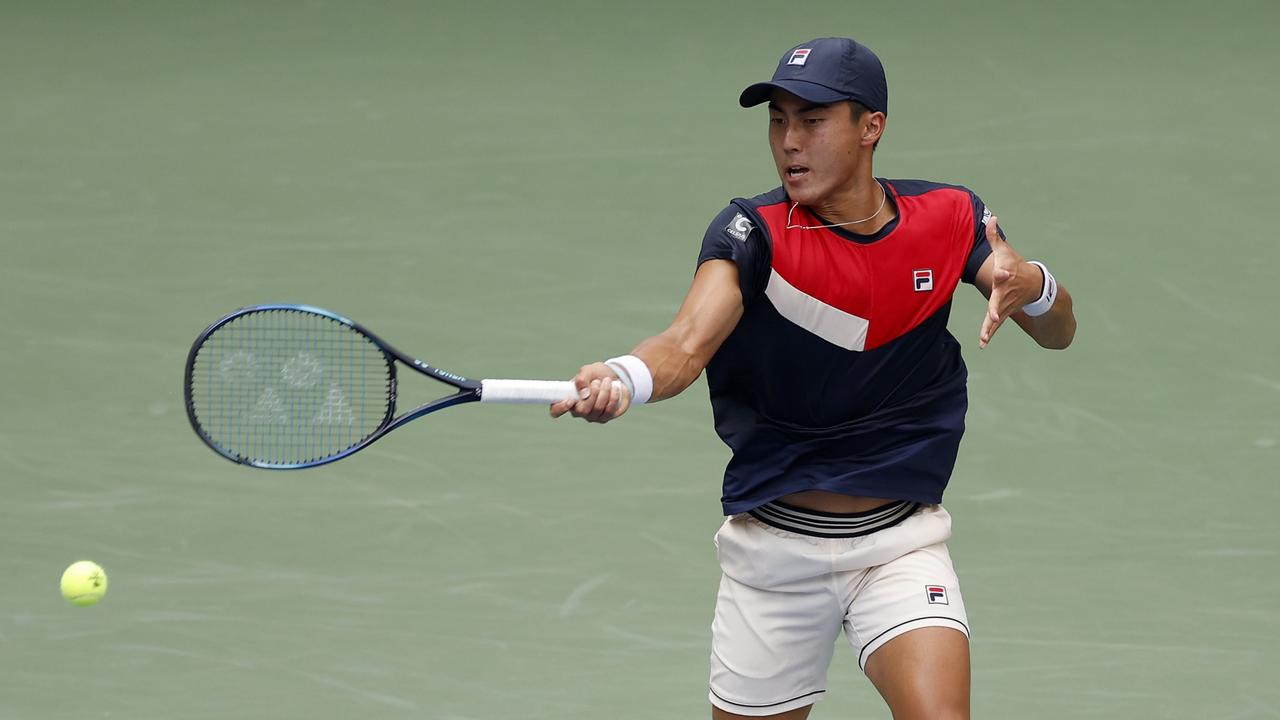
(529, 391)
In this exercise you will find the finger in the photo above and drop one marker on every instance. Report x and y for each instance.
(989, 328)
(602, 391)
(990, 319)
(614, 401)
(560, 408)
(586, 407)
(582, 407)
(624, 402)
(582, 381)
(993, 231)
(994, 327)
(612, 390)
(621, 399)
(1009, 305)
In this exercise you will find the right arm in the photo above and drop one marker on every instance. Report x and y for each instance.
(676, 356)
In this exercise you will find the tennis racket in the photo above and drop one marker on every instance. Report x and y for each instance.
(286, 387)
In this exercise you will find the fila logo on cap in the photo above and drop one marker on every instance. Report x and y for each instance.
(923, 280)
(739, 228)
(937, 594)
(798, 56)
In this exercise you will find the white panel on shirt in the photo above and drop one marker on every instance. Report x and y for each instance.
(829, 323)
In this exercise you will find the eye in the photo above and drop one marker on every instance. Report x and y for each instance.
(775, 120)
(813, 121)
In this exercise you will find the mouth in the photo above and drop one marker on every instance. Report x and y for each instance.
(795, 172)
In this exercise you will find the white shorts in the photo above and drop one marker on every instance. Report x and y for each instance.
(784, 598)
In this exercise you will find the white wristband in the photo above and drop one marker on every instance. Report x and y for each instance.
(633, 373)
(1048, 293)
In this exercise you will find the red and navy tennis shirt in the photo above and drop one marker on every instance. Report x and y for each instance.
(841, 374)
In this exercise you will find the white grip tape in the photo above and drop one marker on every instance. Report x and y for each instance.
(528, 391)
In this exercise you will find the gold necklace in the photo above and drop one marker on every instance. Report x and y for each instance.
(883, 197)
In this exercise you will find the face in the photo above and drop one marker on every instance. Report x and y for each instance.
(816, 148)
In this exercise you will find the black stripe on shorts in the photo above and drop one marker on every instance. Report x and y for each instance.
(780, 702)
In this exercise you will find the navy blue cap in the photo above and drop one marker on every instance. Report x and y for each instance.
(826, 70)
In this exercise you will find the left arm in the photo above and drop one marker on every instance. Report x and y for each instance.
(1009, 283)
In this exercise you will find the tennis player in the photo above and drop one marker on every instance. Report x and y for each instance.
(819, 312)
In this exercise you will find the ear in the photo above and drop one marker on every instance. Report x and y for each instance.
(872, 127)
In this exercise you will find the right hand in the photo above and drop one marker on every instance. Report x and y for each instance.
(601, 396)
(1014, 283)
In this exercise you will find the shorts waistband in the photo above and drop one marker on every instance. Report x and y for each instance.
(815, 523)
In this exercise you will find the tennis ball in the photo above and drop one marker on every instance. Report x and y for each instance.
(84, 583)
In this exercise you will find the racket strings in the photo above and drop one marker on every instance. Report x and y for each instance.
(287, 387)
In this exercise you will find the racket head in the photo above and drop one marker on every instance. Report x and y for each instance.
(284, 387)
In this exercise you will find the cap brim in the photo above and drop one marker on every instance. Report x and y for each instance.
(813, 92)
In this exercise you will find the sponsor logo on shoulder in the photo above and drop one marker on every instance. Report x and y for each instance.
(986, 215)
(799, 56)
(923, 280)
(937, 594)
(739, 228)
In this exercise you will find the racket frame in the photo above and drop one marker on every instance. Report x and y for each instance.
(468, 390)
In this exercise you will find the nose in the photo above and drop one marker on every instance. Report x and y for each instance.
(791, 138)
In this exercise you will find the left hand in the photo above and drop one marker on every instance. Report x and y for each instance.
(1014, 283)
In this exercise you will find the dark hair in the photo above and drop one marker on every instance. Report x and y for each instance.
(857, 110)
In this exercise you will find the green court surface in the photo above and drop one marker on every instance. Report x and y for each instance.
(519, 188)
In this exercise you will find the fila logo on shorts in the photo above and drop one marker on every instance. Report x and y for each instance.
(923, 280)
(937, 594)
(739, 228)
(798, 56)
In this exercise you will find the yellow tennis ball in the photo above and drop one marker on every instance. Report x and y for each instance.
(84, 583)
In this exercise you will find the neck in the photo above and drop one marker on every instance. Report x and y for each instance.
(860, 201)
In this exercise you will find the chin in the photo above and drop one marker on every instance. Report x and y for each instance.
(805, 196)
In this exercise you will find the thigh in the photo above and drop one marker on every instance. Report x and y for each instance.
(924, 674)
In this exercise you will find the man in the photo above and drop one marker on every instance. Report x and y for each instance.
(819, 313)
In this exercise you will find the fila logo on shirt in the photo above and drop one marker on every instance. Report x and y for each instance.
(923, 280)
(798, 56)
(739, 228)
(937, 594)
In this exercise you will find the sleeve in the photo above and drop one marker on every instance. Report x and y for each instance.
(981, 248)
(736, 234)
